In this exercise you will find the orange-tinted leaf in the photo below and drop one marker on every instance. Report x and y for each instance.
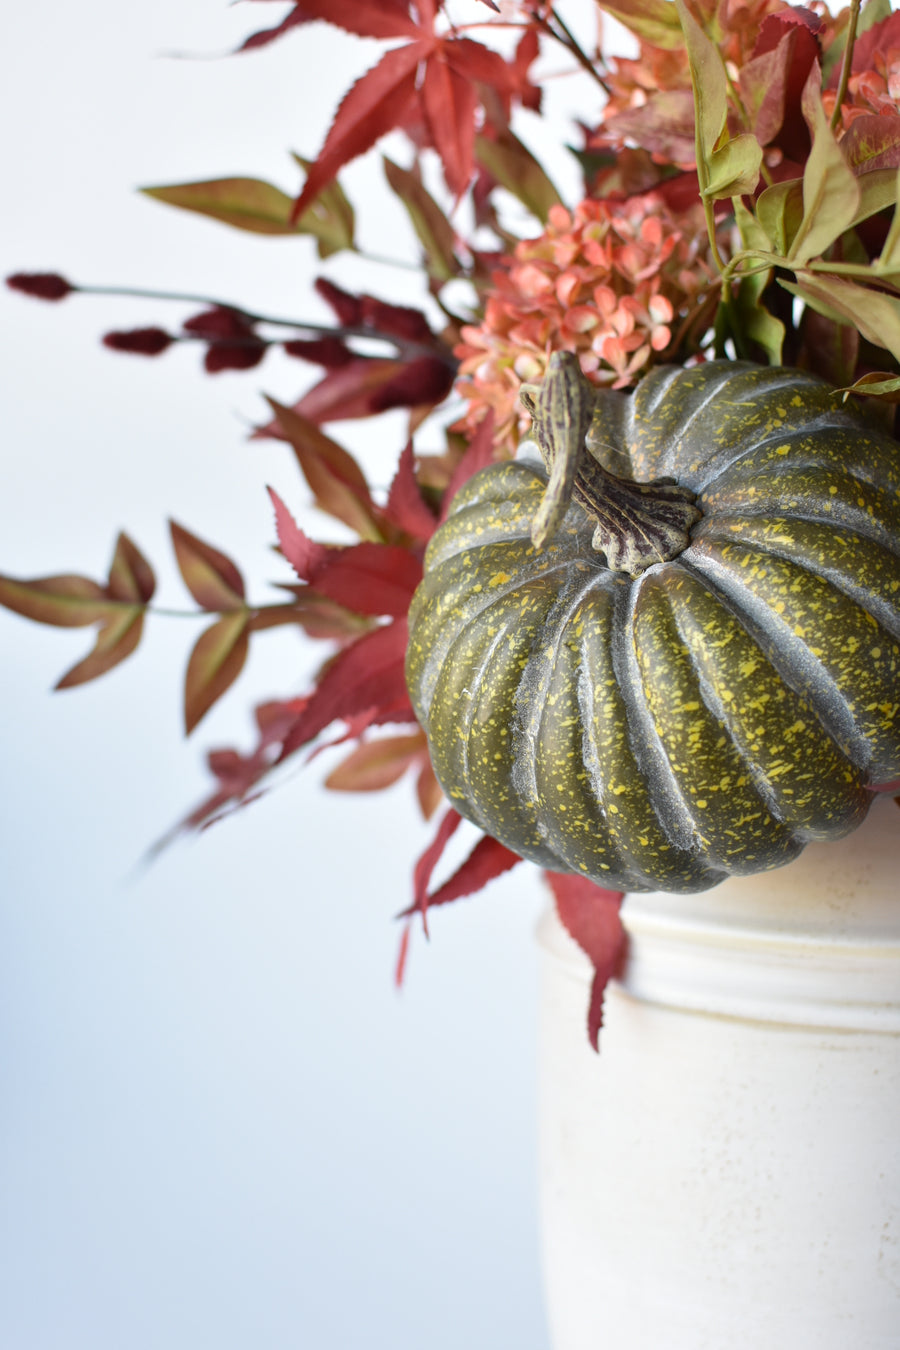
(830, 190)
(875, 314)
(374, 105)
(515, 168)
(210, 576)
(130, 575)
(215, 663)
(320, 617)
(829, 349)
(117, 637)
(331, 218)
(433, 229)
(872, 142)
(376, 764)
(403, 949)
(664, 125)
(874, 37)
(405, 508)
(449, 102)
(64, 601)
(762, 83)
(656, 21)
(591, 916)
(335, 479)
(428, 791)
(775, 77)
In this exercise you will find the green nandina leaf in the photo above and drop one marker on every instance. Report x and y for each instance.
(64, 601)
(779, 211)
(117, 637)
(215, 663)
(656, 21)
(244, 203)
(516, 169)
(210, 576)
(756, 322)
(877, 384)
(259, 207)
(710, 85)
(330, 217)
(831, 193)
(876, 315)
(734, 168)
(877, 191)
(433, 229)
(889, 261)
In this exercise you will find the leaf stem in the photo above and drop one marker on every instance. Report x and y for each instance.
(846, 63)
(252, 611)
(386, 262)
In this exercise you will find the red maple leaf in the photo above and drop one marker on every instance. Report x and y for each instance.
(590, 915)
(366, 675)
(439, 73)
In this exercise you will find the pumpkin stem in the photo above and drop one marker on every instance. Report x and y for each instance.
(637, 524)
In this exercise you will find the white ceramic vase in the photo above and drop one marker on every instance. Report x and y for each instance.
(726, 1174)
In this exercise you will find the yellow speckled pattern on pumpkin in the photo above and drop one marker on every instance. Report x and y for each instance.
(711, 716)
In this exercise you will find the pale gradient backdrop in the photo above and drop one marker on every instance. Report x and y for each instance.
(221, 1126)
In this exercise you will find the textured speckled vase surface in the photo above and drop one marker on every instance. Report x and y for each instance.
(727, 1172)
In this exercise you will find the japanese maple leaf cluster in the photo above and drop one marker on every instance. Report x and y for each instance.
(739, 184)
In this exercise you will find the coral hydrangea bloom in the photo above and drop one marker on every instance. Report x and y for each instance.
(612, 281)
(874, 91)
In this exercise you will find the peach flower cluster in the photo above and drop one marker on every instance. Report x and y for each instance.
(875, 91)
(616, 282)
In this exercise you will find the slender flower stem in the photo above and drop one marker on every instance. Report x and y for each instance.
(567, 38)
(402, 346)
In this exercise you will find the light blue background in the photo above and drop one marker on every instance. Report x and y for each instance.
(220, 1124)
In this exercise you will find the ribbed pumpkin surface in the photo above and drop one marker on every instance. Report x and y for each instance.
(711, 716)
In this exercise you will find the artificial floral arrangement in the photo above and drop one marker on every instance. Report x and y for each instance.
(667, 649)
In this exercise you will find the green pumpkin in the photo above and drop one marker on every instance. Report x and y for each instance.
(674, 722)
